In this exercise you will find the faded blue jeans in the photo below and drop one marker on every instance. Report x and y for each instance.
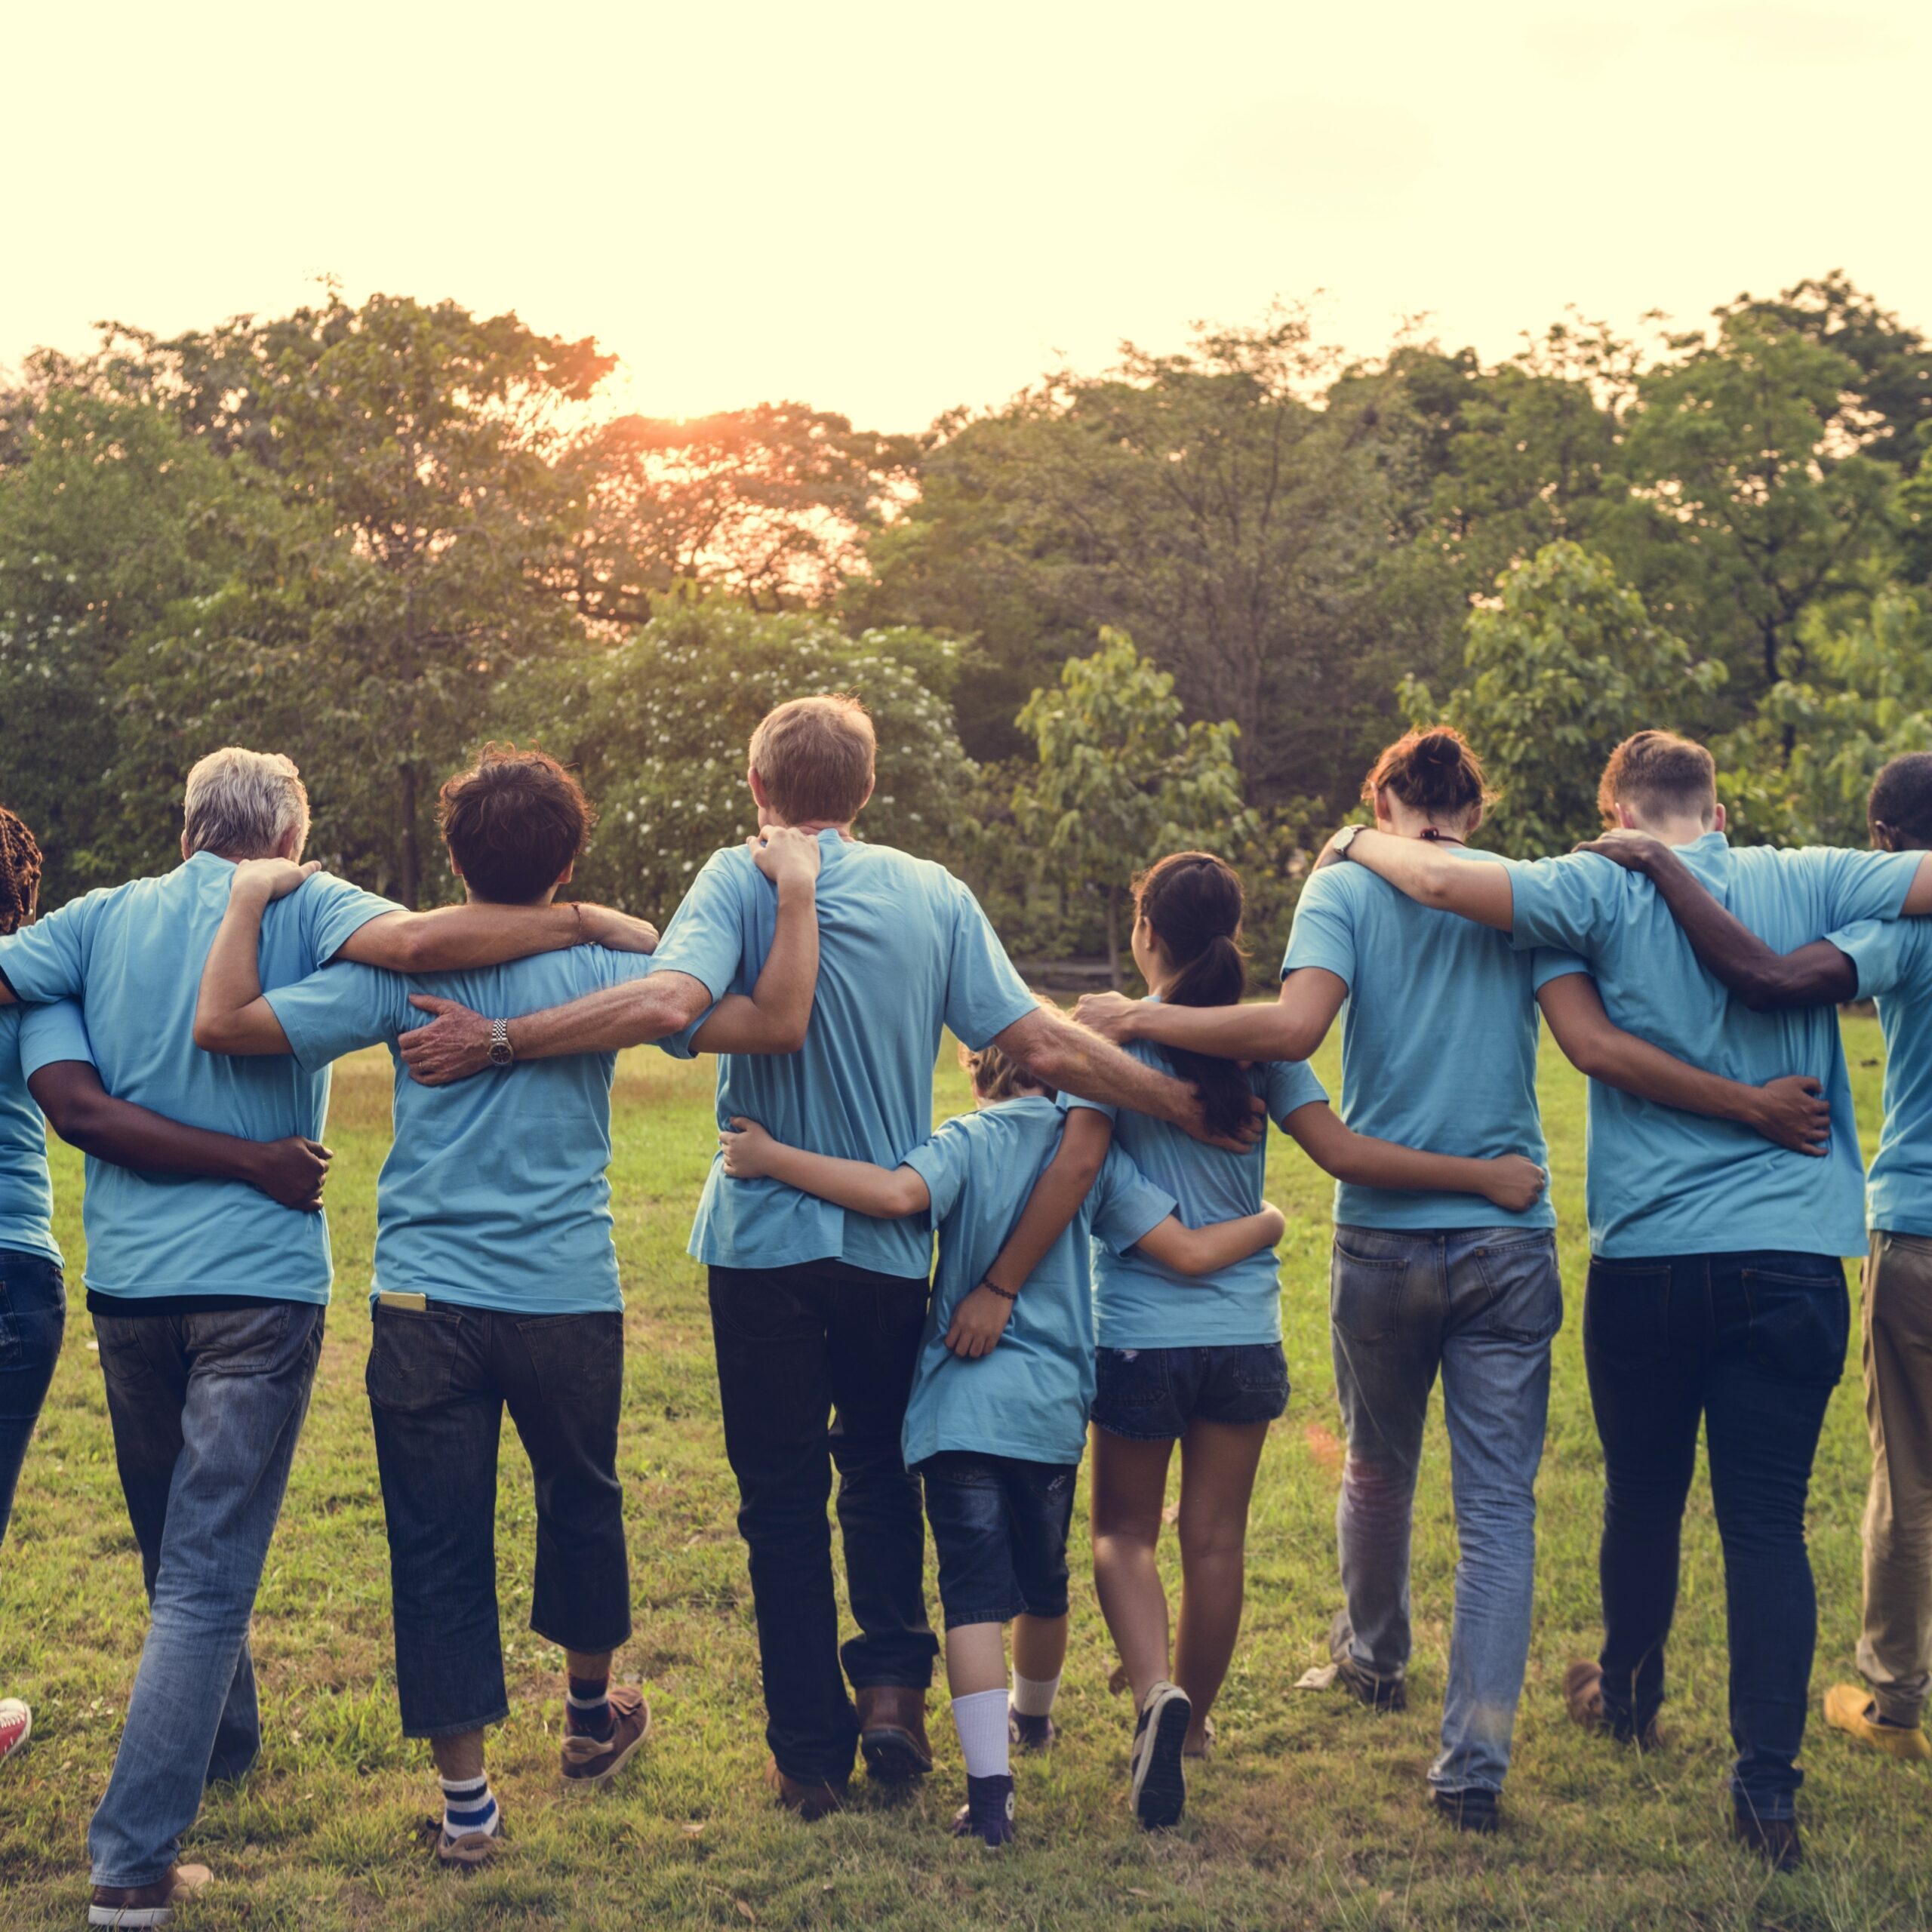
(206, 1408)
(1480, 1306)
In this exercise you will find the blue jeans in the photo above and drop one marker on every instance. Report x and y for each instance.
(33, 1311)
(1481, 1306)
(999, 1526)
(439, 1383)
(206, 1409)
(1752, 1344)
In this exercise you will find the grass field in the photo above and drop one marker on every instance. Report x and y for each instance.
(1310, 1815)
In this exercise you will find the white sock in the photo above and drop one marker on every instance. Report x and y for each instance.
(1033, 1696)
(469, 1805)
(982, 1721)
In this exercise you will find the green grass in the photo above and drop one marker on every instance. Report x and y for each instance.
(1311, 1814)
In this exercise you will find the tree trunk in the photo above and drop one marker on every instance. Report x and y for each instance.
(412, 857)
(1113, 940)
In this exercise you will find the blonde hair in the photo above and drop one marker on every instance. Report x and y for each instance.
(814, 757)
(243, 804)
(996, 1074)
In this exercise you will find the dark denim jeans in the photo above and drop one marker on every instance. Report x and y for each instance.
(1752, 1344)
(33, 1311)
(206, 1409)
(814, 1366)
(999, 1525)
(439, 1383)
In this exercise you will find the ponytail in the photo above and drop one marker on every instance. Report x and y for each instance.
(1193, 902)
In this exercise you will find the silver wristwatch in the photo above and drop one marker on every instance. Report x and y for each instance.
(1345, 838)
(501, 1052)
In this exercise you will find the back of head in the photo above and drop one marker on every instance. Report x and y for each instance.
(515, 822)
(244, 804)
(814, 756)
(1657, 775)
(1193, 902)
(1901, 799)
(20, 873)
(1432, 771)
(996, 1074)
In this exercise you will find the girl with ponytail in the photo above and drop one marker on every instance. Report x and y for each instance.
(1199, 1361)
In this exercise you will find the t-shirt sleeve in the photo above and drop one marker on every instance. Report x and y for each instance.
(1888, 953)
(339, 1009)
(1323, 932)
(56, 1031)
(706, 935)
(942, 1163)
(1860, 885)
(1548, 962)
(334, 911)
(1291, 1084)
(1127, 1204)
(984, 994)
(48, 960)
(1566, 904)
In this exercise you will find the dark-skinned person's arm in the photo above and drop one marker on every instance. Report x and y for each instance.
(1791, 1111)
(455, 1044)
(1765, 980)
(1291, 1029)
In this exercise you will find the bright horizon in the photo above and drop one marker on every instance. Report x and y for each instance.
(886, 216)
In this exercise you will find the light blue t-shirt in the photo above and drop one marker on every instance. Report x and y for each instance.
(1029, 1397)
(495, 1193)
(1139, 1304)
(1894, 961)
(31, 1038)
(904, 952)
(1663, 1181)
(132, 955)
(1439, 1039)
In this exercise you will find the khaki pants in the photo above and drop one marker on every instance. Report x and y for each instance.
(1895, 1651)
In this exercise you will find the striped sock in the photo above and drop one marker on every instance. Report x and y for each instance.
(469, 1805)
(588, 1703)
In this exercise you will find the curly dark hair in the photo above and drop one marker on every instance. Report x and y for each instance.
(20, 872)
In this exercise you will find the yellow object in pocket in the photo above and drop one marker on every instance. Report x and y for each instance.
(418, 1303)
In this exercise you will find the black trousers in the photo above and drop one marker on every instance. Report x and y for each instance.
(814, 1366)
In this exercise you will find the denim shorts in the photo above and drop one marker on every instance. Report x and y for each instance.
(1152, 1394)
(1000, 1527)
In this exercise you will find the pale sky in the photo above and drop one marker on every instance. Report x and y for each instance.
(888, 210)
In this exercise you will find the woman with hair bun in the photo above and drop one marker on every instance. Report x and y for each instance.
(1438, 1051)
(1198, 1362)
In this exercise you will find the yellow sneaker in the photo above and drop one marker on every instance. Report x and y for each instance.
(1848, 1707)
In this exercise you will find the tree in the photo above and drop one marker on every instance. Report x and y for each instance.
(659, 726)
(1120, 778)
(1563, 665)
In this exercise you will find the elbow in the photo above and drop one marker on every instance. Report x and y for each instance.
(413, 947)
(789, 1037)
(77, 1118)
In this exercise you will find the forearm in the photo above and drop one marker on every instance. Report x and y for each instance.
(1284, 1030)
(887, 1194)
(1762, 977)
(231, 1017)
(1070, 1059)
(1209, 1250)
(1620, 1059)
(775, 1019)
(632, 1015)
(86, 1116)
(1056, 1199)
(1363, 1162)
(454, 938)
(1415, 867)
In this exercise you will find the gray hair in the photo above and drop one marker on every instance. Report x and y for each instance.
(243, 803)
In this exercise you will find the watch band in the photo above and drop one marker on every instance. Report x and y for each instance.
(501, 1052)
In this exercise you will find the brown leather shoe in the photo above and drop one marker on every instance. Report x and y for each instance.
(589, 1761)
(811, 1802)
(147, 1905)
(892, 1732)
(1774, 1839)
(1582, 1697)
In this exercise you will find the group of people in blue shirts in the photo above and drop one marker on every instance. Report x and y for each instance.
(1105, 1273)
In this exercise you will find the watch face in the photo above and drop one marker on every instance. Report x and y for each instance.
(500, 1053)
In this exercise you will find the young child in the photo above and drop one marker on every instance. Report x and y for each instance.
(997, 1419)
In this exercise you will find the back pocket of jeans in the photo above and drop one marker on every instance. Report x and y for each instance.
(1800, 1325)
(1129, 1378)
(1525, 1301)
(1626, 1311)
(412, 1359)
(1364, 1293)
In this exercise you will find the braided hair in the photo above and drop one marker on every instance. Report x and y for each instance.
(20, 872)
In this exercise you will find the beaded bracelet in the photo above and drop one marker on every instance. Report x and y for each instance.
(1005, 1294)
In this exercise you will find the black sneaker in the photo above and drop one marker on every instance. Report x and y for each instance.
(1378, 1693)
(1774, 1839)
(1475, 1810)
(987, 1814)
(1029, 1734)
(1158, 1790)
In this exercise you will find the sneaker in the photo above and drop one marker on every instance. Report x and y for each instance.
(16, 1726)
(1205, 1748)
(457, 1851)
(588, 1762)
(1158, 1790)
(147, 1905)
(1029, 1734)
(987, 1814)
(1851, 1708)
(1582, 1697)
(1378, 1693)
(1474, 1809)
(1774, 1839)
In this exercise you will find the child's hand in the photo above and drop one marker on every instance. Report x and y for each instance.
(1274, 1221)
(978, 1323)
(747, 1150)
(1515, 1183)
